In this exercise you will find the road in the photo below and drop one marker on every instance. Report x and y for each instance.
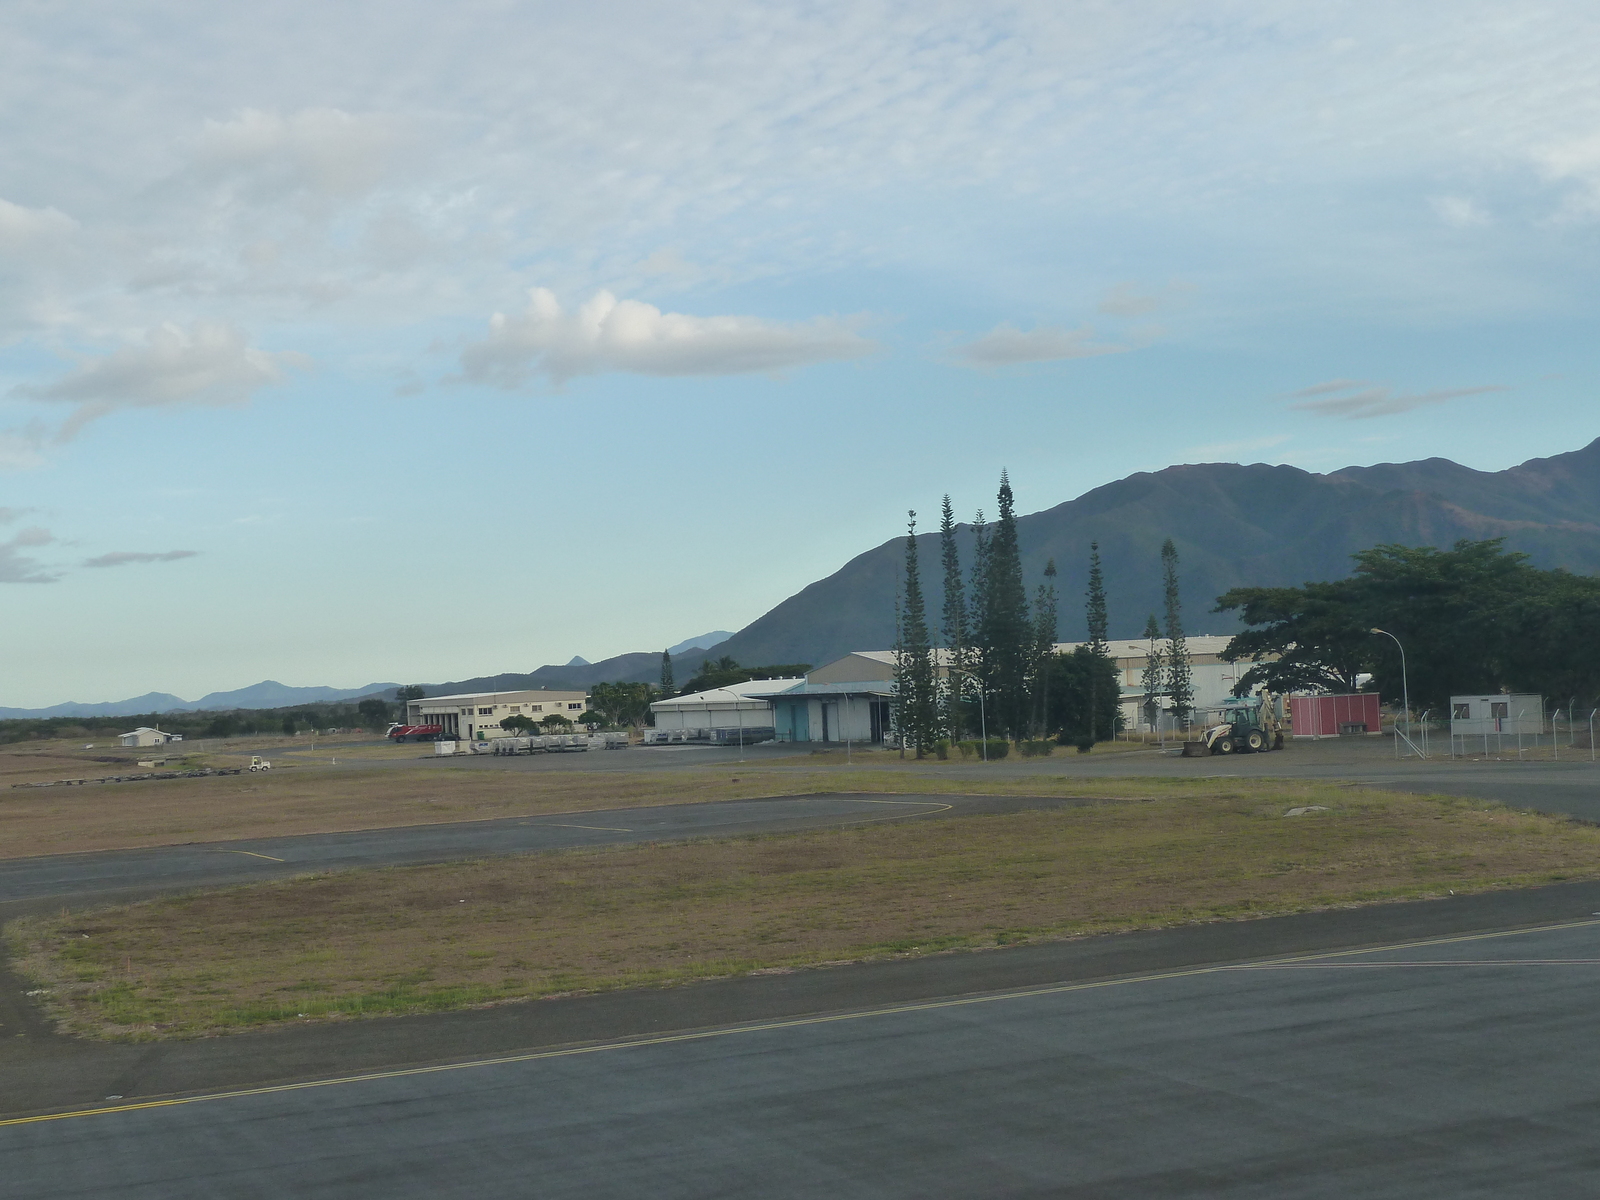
(1461, 1067)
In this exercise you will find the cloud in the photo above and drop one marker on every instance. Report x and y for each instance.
(121, 558)
(1575, 161)
(1005, 346)
(16, 567)
(1459, 212)
(607, 334)
(323, 151)
(208, 363)
(1355, 399)
(22, 227)
(1129, 300)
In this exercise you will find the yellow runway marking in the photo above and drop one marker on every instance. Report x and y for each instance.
(768, 1026)
(253, 854)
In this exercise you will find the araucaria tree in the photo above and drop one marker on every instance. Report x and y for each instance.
(1003, 634)
(668, 687)
(1154, 680)
(1099, 646)
(1044, 646)
(1180, 675)
(913, 660)
(953, 624)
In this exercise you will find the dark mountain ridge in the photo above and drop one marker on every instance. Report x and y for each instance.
(1233, 524)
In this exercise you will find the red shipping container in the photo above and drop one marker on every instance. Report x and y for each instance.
(1330, 716)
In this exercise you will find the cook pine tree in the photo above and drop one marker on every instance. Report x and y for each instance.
(1180, 675)
(1099, 626)
(953, 622)
(914, 670)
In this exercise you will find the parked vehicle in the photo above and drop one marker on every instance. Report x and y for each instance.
(1245, 725)
(257, 763)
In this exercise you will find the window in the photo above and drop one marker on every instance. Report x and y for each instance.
(535, 708)
(466, 712)
(575, 707)
(486, 712)
(516, 708)
(1499, 709)
(1461, 712)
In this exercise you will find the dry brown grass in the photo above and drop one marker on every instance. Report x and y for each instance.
(299, 797)
(412, 939)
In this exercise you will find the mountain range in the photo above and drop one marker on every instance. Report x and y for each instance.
(1233, 525)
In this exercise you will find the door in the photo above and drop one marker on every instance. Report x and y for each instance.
(825, 721)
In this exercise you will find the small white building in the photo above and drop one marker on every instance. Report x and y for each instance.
(145, 736)
(740, 711)
(1506, 712)
(473, 715)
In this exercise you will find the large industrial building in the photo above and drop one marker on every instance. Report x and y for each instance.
(478, 714)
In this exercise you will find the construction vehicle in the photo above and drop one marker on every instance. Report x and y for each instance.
(257, 763)
(1245, 725)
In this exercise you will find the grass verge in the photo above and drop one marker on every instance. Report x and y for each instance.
(415, 939)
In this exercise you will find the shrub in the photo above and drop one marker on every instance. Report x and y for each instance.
(1084, 742)
(998, 748)
(1040, 748)
(942, 748)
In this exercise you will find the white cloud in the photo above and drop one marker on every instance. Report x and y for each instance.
(122, 558)
(607, 334)
(17, 567)
(1576, 162)
(324, 151)
(1459, 212)
(207, 364)
(1005, 345)
(1354, 399)
(22, 228)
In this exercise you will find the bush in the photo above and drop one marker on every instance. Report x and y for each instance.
(942, 748)
(1037, 749)
(998, 748)
(1084, 742)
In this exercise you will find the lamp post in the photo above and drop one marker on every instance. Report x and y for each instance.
(983, 720)
(1405, 688)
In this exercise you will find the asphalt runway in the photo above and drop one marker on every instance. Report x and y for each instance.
(81, 878)
(1458, 1067)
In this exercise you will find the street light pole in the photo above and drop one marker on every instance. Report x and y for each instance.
(983, 720)
(1405, 688)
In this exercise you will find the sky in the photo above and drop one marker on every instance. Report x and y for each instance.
(349, 342)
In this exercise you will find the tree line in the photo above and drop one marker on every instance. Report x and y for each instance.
(992, 666)
(1473, 619)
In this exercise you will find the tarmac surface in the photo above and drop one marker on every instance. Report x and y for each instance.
(1188, 1061)
(1454, 1067)
(111, 874)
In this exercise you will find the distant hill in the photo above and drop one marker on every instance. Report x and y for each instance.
(266, 694)
(1233, 525)
(702, 643)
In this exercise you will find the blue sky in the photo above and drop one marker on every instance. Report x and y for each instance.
(358, 341)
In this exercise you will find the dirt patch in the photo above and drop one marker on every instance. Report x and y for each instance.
(421, 938)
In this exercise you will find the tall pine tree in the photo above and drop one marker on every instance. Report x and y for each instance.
(1154, 680)
(914, 671)
(1099, 646)
(1044, 647)
(668, 688)
(953, 624)
(1003, 634)
(1180, 675)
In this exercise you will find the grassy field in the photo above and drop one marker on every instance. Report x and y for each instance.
(422, 938)
(304, 795)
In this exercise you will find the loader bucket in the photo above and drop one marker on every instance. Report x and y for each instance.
(1196, 750)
